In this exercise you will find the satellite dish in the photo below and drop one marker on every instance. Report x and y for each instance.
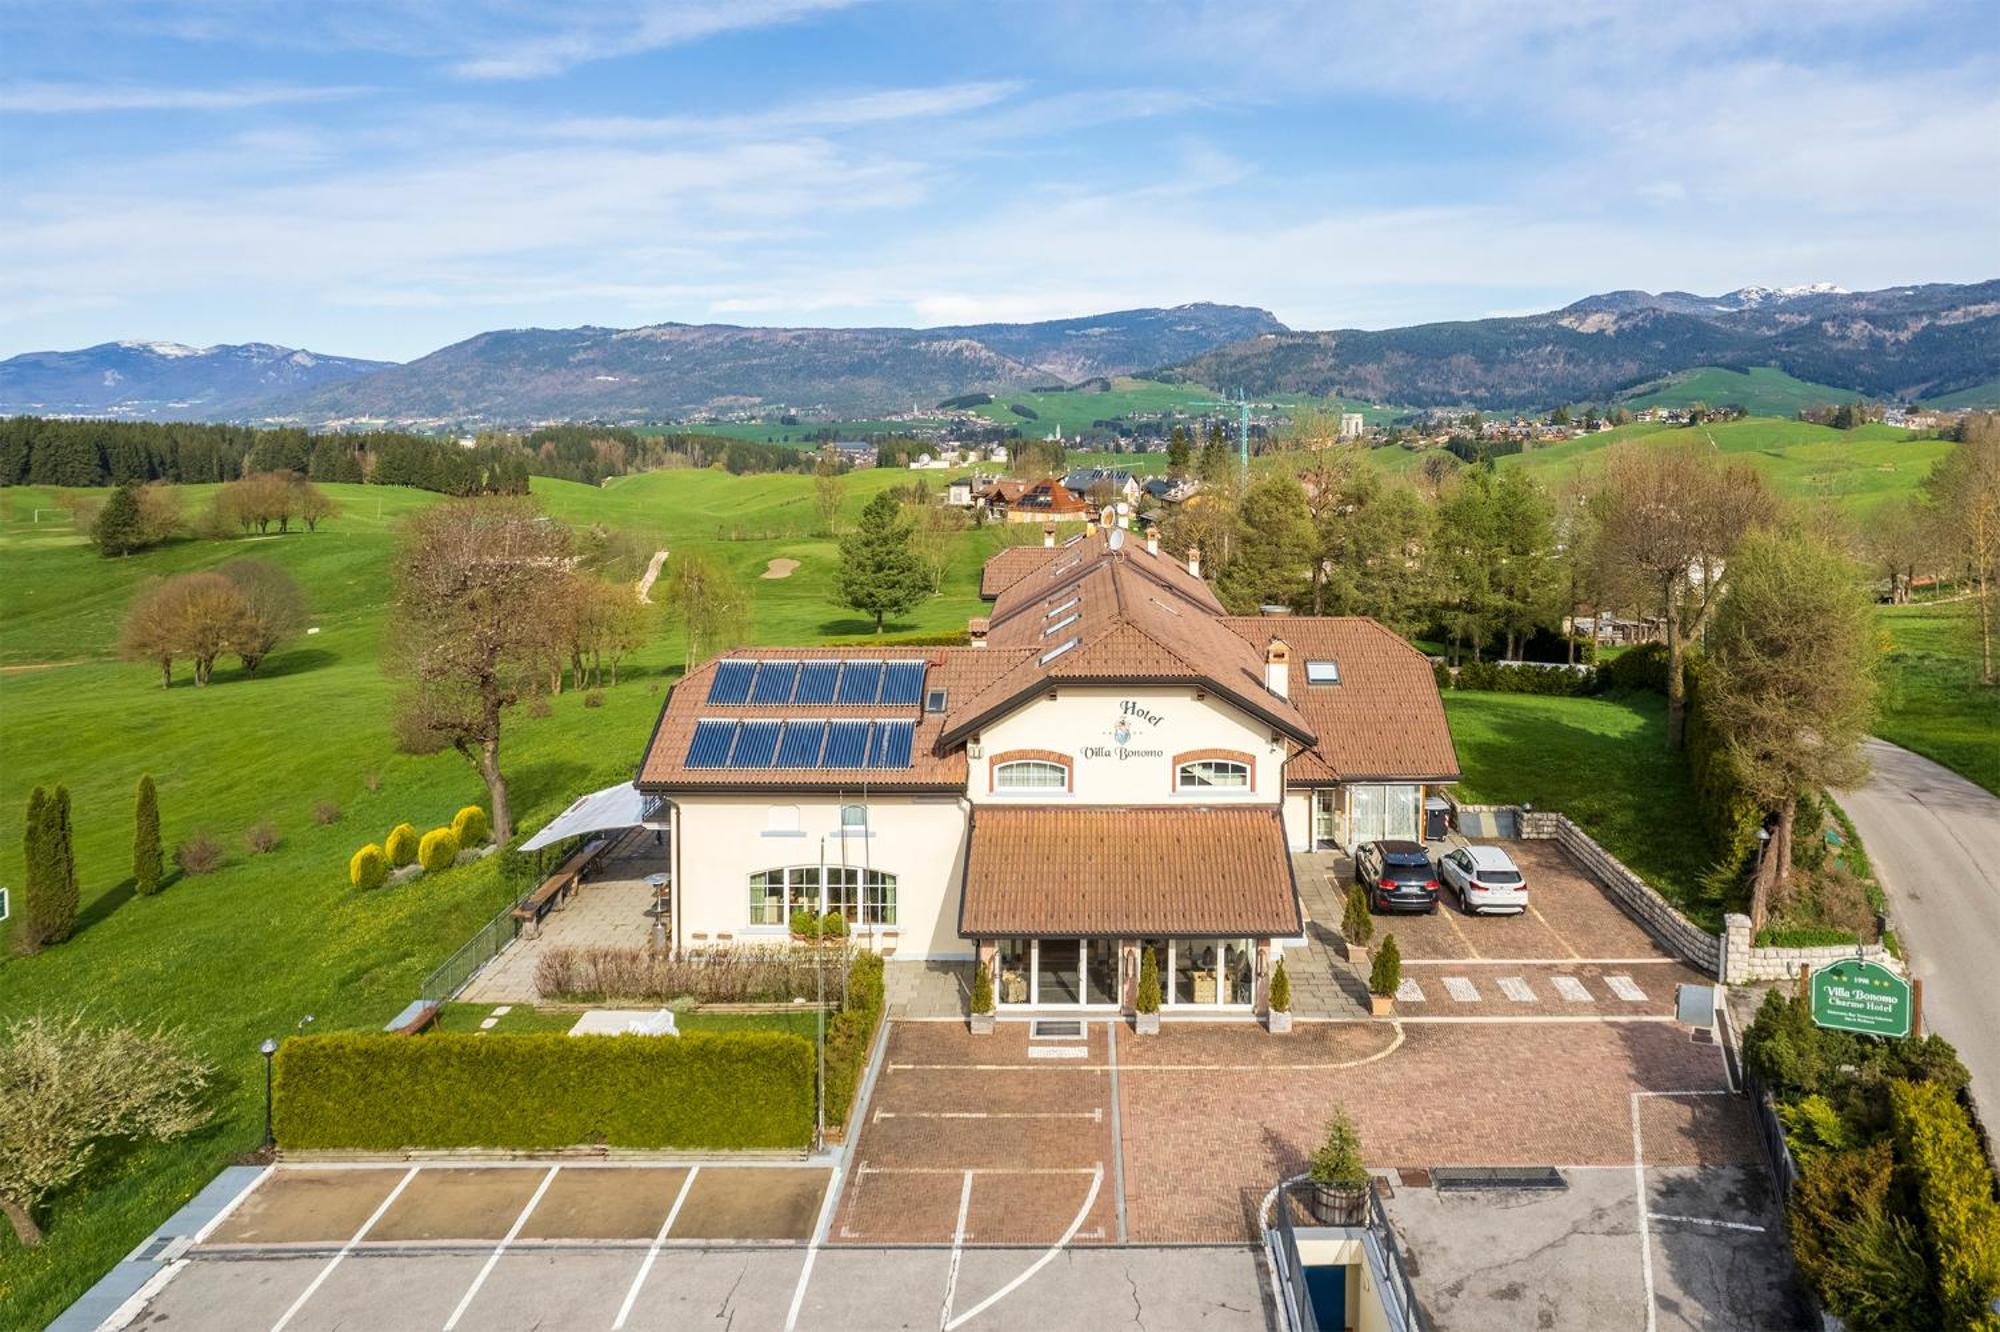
(1123, 507)
(1117, 537)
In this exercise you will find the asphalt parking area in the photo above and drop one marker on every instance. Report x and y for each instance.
(1569, 918)
(1705, 1246)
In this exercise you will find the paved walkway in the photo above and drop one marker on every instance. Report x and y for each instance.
(607, 912)
(1934, 839)
(1323, 984)
(917, 989)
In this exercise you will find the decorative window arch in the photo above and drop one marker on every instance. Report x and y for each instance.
(1018, 770)
(1214, 772)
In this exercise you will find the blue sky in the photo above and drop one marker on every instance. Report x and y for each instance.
(383, 177)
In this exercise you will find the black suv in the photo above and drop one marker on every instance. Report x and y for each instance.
(1398, 877)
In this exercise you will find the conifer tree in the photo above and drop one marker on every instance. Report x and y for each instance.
(148, 869)
(880, 573)
(120, 528)
(34, 890)
(60, 849)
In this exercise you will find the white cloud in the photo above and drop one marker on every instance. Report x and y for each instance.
(74, 98)
(581, 33)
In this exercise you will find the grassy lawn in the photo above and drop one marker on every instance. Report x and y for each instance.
(1764, 390)
(243, 953)
(520, 1019)
(1931, 701)
(1603, 762)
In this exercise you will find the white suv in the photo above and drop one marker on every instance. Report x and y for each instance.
(1484, 878)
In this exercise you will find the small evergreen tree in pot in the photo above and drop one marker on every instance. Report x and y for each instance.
(1280, 1019)
(982, 999)
(1146, 1004)
(1339, 1195)
(1385, 976)
(1357, 925)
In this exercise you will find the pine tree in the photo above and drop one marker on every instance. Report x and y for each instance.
(147, 867)
(880, 573)
(1179, 452)
(120, 528)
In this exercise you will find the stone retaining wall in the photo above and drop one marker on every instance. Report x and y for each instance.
(1745, 964)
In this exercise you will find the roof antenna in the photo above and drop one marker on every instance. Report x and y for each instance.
(1117, 537)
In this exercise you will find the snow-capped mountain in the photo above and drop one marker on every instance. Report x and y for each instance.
(165, 380)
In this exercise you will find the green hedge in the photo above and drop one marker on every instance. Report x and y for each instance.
(1937, 1145)
(851, 1034)
(1492, 678)
(699, 1091)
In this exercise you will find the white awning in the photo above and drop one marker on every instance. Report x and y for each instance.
(620, 806)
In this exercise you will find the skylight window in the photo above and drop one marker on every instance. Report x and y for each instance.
(1073, 540)
(1058, 610)
(1323, 672)
(1170, 609)
(1063, 623)
(1057, 650)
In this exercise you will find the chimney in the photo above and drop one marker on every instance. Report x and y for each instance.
(1194, 560)
(1048, 535)
(1153, 539)
(975, 629)
(1278, 668)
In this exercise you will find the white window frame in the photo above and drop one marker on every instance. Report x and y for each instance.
(1218, 1005)
(1000, 771)
(1184, 787)
(805, 890)
(1034, 999)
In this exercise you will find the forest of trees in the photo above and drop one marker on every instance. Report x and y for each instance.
(589, 453)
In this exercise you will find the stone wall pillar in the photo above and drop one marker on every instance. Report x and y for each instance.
(1128, 975)
(1736, 939)
(1260, 990)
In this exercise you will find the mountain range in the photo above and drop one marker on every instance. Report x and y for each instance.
(1898, 343)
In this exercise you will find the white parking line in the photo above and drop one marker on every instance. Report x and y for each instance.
(1572, 989)
(1708, 1221)
(653, 1254)
(1409, 992)
(1517, 989)
(346, 1249)
(1639, 1196)
(957, 1251)
(493, 1258)
(1626, 988)
(1076, 1224)
(1095, 1116)
(1462, 989)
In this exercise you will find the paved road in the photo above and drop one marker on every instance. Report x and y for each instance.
(1934, 838)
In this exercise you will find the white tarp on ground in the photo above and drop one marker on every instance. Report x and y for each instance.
(621, 806)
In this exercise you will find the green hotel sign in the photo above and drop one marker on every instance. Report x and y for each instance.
(1862, 996)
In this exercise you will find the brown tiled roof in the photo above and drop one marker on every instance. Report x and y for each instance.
(1169, 870)
(1140, 617)
(1011, 565)
(962, 672)
(1384, 720)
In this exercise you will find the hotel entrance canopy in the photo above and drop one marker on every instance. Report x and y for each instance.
(620, 806)
(1166, 872)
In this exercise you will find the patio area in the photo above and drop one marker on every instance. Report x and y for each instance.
(608, 910)
(1323, 984)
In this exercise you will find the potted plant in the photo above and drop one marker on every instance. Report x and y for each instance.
(1279, 1019)
(1146, 1004)
(833, 926)
(1339, 1192)
(1357, 926)
(982, 1001)
(1384, 978)
(805, 926)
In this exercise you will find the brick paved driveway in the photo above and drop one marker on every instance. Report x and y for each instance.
(1569, 917)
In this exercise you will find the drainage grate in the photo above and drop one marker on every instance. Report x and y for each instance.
(1057, 1029)
(162, 1249)
(1413, 1177)
(1461, 1179)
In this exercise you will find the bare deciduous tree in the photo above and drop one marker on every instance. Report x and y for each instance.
(479, 587)
(1670, 515)
(276, 608)
(1965, 486)
(68, 1089)
(828, 493)
(197, 615)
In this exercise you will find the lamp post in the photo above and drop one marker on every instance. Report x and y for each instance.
(268, 1049)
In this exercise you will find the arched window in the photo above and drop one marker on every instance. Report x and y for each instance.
(863, 896)
(1030, 775)
(1212, 775)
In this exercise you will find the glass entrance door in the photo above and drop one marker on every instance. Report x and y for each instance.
(1326, 821)
(1058, 973)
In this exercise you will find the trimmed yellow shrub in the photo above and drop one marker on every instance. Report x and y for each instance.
(1937, 1146)
(438, 849)
(470, 827)
(400, 845)
(369, 868)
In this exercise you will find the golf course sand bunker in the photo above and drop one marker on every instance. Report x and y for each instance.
(779, 569)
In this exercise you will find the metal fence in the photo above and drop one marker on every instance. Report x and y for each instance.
(457, 971)
(1397, 1288)
(1784, 1169)
(1298, 1313)
(1382, 1251)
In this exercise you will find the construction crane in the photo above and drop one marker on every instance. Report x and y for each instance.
(1241, 404)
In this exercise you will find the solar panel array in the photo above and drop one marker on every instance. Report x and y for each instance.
(817, 683)
(762, 742)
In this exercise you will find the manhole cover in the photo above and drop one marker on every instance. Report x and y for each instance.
(1472, 1178)
(1413, 1177)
